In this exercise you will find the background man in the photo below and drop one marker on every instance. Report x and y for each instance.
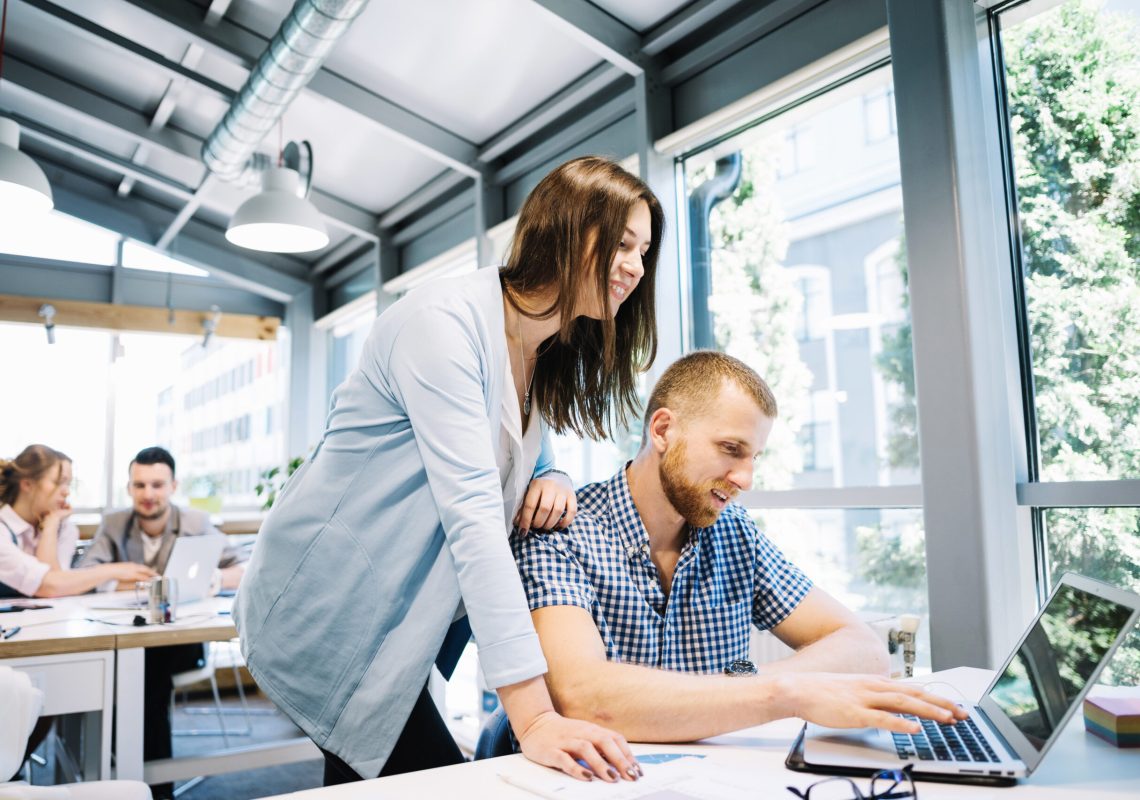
(648, 599)
(145, 534)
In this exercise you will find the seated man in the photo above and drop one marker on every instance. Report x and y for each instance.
(145, 534)
(648, 599)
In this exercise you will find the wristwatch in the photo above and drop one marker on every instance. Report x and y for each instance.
(741, 666)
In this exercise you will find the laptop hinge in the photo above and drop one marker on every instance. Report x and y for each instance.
(1010, 753)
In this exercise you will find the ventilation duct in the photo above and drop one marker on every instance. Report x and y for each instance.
(293, 57)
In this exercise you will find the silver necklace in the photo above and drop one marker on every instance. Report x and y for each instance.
(522, 360)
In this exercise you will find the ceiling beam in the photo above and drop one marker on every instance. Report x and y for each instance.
(553, 109)
(200, 245)
(94, 108)
(240, 46)
(605, 35)
(438, 186)
(338, 255)
(90, 107)
(684, 22)
(397, 122)
(437, 216)
(103, 36)
(585, 126)
(742, 33)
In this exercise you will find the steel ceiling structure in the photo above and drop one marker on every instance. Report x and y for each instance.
(429, 121)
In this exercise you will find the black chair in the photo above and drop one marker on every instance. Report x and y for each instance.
(495, 738)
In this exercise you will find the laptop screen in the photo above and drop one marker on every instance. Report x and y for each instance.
(1056, 660)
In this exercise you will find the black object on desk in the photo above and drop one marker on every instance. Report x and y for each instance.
(21, 605)
(795, 761)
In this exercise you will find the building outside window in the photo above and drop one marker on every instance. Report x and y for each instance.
(792, 296)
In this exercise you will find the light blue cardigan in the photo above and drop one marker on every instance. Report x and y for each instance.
(359, 567)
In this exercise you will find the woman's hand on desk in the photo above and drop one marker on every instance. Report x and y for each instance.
(863, 701)
(560, 742)
(546, 737)
(550, 504)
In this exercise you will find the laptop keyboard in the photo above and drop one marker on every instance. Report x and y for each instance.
(960, 741)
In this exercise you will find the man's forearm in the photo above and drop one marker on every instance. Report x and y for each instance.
(853, 648)
(653, 705)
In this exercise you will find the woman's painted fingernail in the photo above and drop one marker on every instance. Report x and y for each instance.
(587, 775)
(613, 773)
(632, 773)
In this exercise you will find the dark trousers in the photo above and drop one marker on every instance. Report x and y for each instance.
(162, 663)
(425, 742)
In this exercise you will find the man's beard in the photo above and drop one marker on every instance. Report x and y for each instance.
(158, 512)
(690, 500)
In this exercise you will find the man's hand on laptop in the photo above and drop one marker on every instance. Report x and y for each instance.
(864, 701)
(127, 573)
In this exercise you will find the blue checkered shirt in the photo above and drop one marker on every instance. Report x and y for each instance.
(727, 576)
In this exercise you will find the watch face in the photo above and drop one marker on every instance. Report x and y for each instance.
(740, 667)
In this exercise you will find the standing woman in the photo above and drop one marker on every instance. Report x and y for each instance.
(37, 538)
(396, 526)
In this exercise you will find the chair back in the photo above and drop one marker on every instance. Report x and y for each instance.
(21, 703)
(495, 737)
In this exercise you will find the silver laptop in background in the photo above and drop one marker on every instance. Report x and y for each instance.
(1022, 713)
(192, 562)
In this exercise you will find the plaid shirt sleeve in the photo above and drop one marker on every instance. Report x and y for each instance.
(551, 573)
(780, 584)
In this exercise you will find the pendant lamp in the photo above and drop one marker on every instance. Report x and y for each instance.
(24, 189)
(278, 219)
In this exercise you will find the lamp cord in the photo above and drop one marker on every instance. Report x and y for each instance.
(3, 28)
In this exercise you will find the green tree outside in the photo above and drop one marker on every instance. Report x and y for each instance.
(1073, 78)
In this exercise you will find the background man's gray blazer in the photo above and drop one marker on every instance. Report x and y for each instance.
(119, 539)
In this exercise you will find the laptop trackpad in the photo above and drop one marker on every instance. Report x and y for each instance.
(851, 747)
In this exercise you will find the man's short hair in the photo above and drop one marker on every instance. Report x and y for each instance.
(691, 385)
(153, 455)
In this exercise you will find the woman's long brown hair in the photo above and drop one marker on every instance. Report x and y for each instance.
(33, 463)
(568, 233)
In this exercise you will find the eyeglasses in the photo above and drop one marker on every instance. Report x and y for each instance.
(887, 784)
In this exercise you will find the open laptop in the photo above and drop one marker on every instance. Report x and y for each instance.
(1022, 713)
(192, 562)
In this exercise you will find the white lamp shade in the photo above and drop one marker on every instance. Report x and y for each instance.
(24, 189)
(277, 219)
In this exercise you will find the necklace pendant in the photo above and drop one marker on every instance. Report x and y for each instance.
(526, 403)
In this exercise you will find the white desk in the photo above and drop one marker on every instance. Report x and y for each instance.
(86, 666)
(1080, 767)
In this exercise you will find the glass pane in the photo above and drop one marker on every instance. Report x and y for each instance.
(139, 256)
(808, 286)
(871, 560)
(1073, 81)
(57, 235)
(220, 410)
(1102, 543)
(58, 397)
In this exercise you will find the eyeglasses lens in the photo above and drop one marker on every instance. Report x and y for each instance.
(834, 789)
(892, 785)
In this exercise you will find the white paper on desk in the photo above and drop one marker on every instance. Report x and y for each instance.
(684, 778)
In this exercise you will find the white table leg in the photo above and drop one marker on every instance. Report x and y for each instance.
(129, 670)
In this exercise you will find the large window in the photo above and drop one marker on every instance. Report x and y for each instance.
(101, 396)
(1071, 89)
(808, 286)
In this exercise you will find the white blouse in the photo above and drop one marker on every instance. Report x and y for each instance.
(19, 567)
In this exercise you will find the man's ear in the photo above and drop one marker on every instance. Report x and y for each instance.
(661, 426)
(173, 486)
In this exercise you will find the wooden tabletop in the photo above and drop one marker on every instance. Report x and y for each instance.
(85, 624)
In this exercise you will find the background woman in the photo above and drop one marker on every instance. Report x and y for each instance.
(37, 538)
(396, 526)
